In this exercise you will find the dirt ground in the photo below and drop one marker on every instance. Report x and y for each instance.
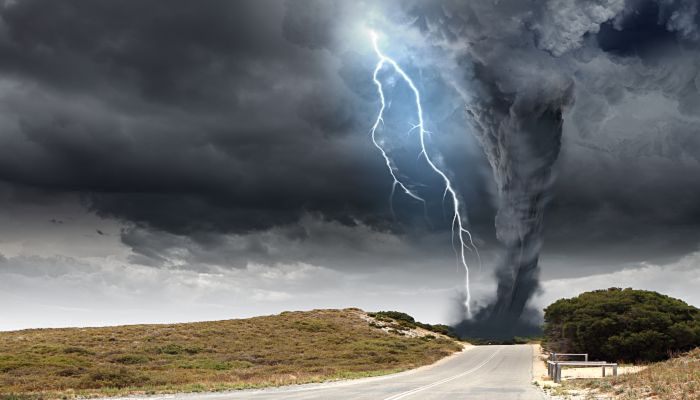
(542, 380)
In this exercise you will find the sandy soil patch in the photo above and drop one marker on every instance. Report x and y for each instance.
(552, 390)
(539, 366)
(577, 373)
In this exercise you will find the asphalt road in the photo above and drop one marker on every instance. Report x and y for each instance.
(482, 372)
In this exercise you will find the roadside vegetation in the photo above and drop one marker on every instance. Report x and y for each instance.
(290, 348)
(675, 379)
(402, 321)
(623, 325)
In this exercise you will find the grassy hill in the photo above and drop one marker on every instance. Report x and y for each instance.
(293, 347)
(675, 379)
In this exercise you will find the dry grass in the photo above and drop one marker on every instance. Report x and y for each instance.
(675, 379)
(290, 348)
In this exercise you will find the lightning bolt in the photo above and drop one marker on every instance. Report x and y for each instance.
(458, 230)
(373, 133)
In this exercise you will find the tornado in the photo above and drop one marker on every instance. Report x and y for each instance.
(510, 66)
(514, 64)
(520, 133)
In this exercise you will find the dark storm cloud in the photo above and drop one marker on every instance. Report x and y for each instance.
(221, 116)
(187, 117)
(630, 163)
(234, 118)
(629, 151)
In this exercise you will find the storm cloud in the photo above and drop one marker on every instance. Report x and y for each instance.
(227, 134)
(179, 117)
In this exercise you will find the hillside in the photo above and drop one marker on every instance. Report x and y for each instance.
(290, 348)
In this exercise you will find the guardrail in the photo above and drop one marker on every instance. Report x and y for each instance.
(554, 367)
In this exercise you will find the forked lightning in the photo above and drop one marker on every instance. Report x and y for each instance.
(458, 229)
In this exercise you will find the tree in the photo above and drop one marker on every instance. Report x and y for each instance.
(622, 325)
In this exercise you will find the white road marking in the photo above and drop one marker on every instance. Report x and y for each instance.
(426, 387)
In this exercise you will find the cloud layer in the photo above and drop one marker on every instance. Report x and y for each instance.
(216, 136)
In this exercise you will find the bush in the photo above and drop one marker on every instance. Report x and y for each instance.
(396, 316)
(109, 378)
(441, 329)
(175, 349)
(406, 322)
(622, 325)
(77, 350)
(131, 359)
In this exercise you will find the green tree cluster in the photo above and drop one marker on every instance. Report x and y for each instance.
(622, 325)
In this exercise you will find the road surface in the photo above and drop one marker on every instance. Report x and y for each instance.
(480, 373)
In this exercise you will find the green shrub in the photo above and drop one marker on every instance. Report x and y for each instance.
(396, 316)
(109, 378)
(622, 325)
(131, 359)
(77, 350)
(441, 329)
(175, 349)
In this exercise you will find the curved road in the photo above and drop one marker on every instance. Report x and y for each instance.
(480, 373)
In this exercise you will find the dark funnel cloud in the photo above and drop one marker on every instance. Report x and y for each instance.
(517, 109)
(521, 135)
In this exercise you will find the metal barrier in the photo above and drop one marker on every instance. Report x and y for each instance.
(554, 367)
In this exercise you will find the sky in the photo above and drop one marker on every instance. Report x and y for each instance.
(183, 161)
